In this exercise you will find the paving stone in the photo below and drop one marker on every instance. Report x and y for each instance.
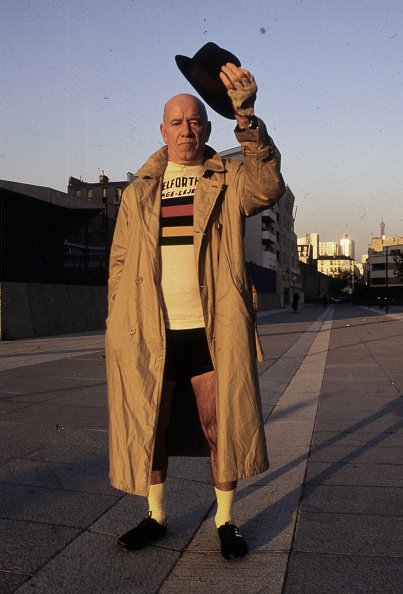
(9, 581)
(44, 542)
(95, 563)
(359, 408)
(15, 396)
(190, 468)
(17, 447)
(41, 378)
(294, 412)
(351, 381)
(342, 574)
(373, 475)
(52, 506)
(356, 439)
(55, 415)
(94, 395)
(78, 476)
(50, 389)
(72, 453)
(286, 467)
(299, 432)
(349, 534)
(369, 452)
(372, 424)
(15, 432)
(10, 406)
(209, 572)
(352, 500)
(330, 392)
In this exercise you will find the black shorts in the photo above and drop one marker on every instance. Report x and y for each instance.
(187, 354)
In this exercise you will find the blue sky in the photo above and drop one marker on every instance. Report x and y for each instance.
(84, 82)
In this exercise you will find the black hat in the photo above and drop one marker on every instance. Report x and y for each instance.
(203, 73)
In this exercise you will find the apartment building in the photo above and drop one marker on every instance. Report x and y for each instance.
(382, 268)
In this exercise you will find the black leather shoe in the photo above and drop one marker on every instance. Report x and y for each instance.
(142, 535)
(233, 544)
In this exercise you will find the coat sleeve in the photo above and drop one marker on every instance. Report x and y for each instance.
(260, 184)
(119, 248)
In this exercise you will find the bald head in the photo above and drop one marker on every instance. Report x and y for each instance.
(187, 99)
(185, 129)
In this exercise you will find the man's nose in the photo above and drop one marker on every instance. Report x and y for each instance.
(186, 129)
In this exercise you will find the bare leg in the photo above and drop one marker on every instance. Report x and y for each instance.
(204, 387)
(160, 460)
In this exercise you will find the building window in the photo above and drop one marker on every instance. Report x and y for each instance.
(89, 194)
(118, 195)
(78, 193)
(104, 194)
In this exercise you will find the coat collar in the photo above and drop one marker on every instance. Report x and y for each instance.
(155, 165)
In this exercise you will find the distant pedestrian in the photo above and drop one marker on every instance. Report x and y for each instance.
(324, 301)
(295, 301)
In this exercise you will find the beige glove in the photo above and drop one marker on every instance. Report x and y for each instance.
(243, 96)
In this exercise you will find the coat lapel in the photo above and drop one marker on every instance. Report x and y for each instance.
(207, 193)
(150, 209)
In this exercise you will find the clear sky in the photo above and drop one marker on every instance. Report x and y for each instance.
(83, 83)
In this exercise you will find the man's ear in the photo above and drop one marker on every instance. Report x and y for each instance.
(208, 131)
(163, 133)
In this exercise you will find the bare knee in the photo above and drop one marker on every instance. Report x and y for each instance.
(210, 432)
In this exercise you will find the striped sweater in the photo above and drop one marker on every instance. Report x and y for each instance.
(182, 306)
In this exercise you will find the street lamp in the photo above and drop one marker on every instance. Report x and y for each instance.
(386, 281)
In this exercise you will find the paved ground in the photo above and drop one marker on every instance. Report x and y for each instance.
(326, 518)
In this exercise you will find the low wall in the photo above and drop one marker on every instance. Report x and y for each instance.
(28, 310)
(268, 301)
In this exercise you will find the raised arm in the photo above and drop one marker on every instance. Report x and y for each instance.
(260, 182)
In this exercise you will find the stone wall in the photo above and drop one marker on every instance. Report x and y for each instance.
(28, 310)
(315, 284)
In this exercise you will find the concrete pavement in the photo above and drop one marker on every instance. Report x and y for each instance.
(326, 518)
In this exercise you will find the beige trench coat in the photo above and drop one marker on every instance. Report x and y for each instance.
(227, 192)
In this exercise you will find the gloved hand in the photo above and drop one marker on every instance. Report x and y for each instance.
(243, 97)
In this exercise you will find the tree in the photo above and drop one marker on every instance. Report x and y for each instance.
(342, 283)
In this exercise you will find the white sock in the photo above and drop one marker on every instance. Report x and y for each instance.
(156, 502)
(225, 501)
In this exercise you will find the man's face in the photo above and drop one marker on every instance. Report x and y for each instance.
(185, 129)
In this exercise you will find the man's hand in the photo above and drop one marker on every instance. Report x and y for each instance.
(242, 89)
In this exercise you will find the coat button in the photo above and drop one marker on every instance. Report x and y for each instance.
(139, 280)
(218, 226)
(132, 331)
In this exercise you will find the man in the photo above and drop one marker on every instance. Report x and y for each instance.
(181, 311)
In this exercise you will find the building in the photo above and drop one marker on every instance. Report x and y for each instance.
(382, 268)
(49, 282)
(304, 252)
(341, 267)
(309, 247)
(104, 191)
(378, 244)
(344, 247)
(328, 248)
(347, 247)
(104, 194)
(271, 252)
(38, 227)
